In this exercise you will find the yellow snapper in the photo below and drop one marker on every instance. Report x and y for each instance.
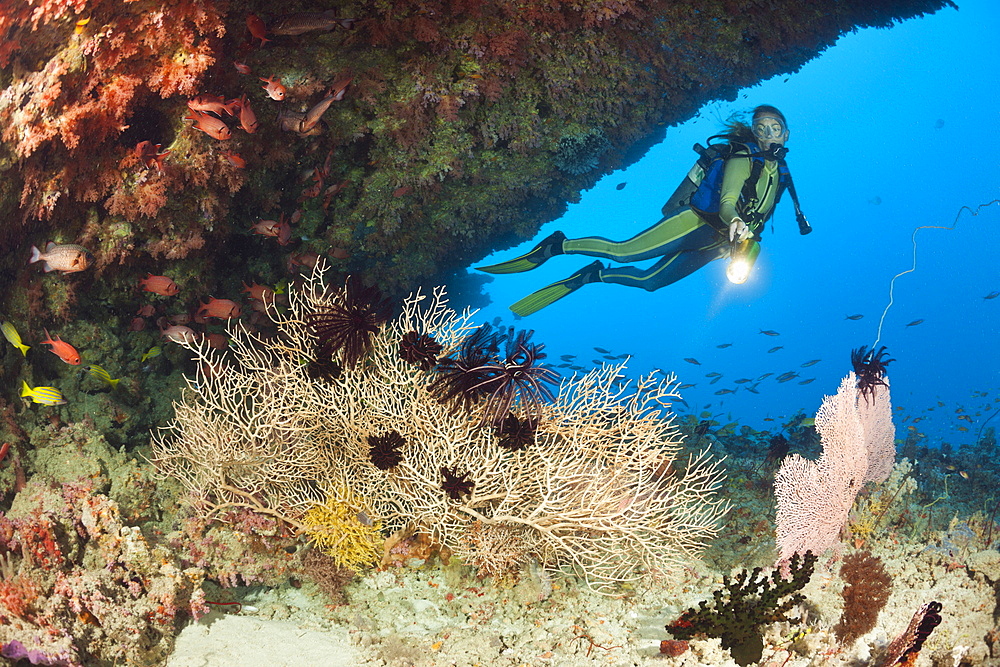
(43, 395)
(102, 375)
(154, 351)
(65, 257)
(11, 334)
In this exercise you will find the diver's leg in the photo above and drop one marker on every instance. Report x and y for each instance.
(687, 253)
(671, 268)
(667, 237)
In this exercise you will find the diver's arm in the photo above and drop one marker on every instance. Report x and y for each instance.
(737, 171)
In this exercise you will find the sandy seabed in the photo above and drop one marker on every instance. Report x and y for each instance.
(437, 615)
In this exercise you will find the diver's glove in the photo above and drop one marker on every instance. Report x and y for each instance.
(738, 231)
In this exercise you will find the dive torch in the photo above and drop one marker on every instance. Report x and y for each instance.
(742, 255)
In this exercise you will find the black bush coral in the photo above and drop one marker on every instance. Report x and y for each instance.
(749, 602)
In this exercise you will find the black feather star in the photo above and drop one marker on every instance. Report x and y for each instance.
(869, 367)
(419, 349)
(478, 373)
(461, 376)
(517, 380)
(515, 434)
(323, 369)
(349, 325)
(456, 485)
(384, 451)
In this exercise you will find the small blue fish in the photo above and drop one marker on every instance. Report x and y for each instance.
(691, 360)
(686, 386)
(769, 332)
(102, 375)
(43, 395)
(723, 346)
(807, 381)
(725, 391)
(854, 317)
(914, 323)
(775, 349)
(992, 295)
(812, 362)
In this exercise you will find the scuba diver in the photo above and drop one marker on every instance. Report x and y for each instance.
(718, 211)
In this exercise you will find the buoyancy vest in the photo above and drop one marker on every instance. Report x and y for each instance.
(701, 189)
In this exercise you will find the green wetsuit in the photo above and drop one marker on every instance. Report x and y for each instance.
(685, 241)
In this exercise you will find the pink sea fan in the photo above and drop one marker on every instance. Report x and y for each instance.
(814, 497)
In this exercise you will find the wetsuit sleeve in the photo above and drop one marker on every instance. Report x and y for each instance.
(737, 171)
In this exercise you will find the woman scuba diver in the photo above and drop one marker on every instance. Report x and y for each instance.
(718, 211)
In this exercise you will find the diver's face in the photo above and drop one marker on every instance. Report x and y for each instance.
(769, 130)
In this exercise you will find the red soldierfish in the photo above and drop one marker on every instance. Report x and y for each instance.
(149, 155)
(259, 292)
(62, 349)
(214, 103)
(67, 258)
(279, 229)
(257, 28)
(248, 119)
(222, 308)
(234, 159)
(161, 285)
(274, 89)
(179, 334)
(210, 125)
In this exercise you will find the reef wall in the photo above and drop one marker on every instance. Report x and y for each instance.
(227, 148)
(465, 125)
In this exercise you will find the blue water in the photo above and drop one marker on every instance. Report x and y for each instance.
(890, 130)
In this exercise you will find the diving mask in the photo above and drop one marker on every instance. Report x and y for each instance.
(769, 130)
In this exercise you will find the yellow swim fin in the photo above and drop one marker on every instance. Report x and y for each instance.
(557, 290)
(549, 247)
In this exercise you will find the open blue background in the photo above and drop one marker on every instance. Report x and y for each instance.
(890, 130)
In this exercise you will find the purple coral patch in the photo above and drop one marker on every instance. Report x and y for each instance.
(15, 650)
